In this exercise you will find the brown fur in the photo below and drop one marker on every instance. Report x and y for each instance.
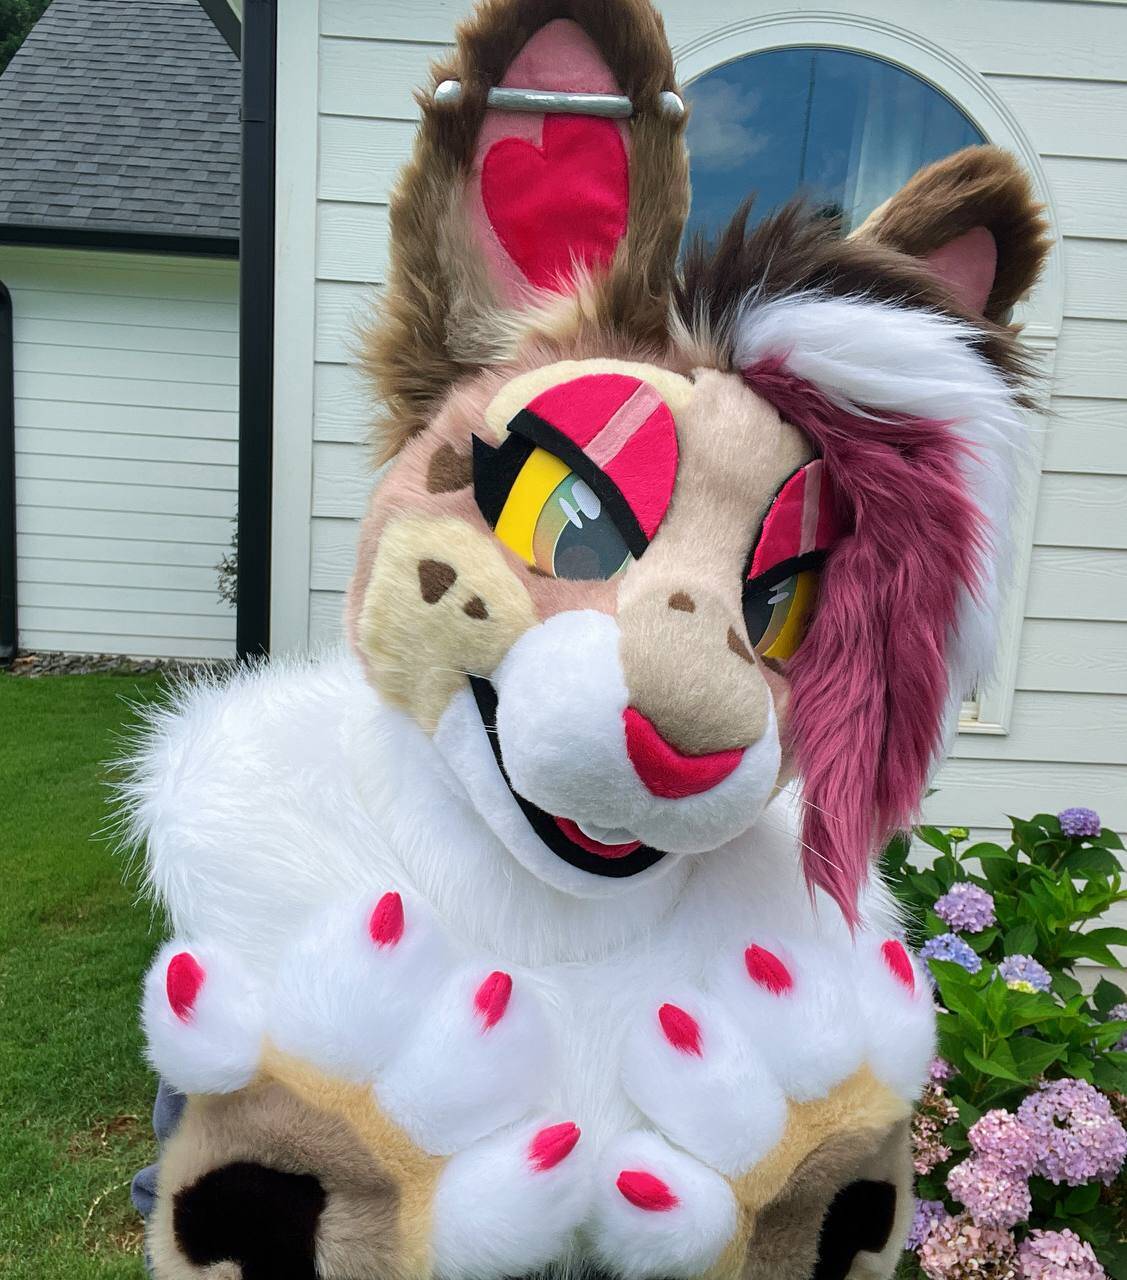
(436, 283)
(794, 250)
(976, 187)
(267, 1123)
(785, 1243)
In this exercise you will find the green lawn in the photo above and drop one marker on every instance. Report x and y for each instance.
(74, 1092)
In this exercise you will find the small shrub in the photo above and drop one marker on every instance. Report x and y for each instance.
(1020, 1144)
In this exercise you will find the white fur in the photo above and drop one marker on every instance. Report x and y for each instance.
(899, 1024)
(810, 1035)
(561, 696)
(216, 1046)
(347, 1005)
(874, 357)
(681, 1242)
(723, 1105)
(496, 1214)
(457, 1080)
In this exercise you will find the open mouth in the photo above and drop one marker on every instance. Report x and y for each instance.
(614, 855)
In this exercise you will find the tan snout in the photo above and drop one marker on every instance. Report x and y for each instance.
(689, 671)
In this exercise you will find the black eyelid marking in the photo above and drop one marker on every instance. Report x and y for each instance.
(533, 429)
(783, 570)
(495, 469)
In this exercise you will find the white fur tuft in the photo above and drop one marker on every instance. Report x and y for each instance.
(875, 358)
(215, 1046)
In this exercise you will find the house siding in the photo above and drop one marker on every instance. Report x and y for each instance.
(126, 385)
(1058, 68)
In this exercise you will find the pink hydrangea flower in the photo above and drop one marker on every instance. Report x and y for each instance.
(967, 907)
(957, 1249)
(941, 1070)
(1002, 1138)
(1058, 1255)
(1075, 1133)
(935, 1112)
(992, 1196)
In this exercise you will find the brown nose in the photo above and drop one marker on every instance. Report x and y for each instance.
(664, 770)
(690, 674)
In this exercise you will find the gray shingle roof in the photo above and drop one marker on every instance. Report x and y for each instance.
(122, 115)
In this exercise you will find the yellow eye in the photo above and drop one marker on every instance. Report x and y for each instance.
(777, 616)
(554, 520)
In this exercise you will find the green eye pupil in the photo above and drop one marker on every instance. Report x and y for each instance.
(575, 538)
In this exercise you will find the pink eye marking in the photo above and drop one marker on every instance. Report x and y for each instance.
(681, 1029)
(552, 1145)
(182, 982)
(626, 429)
(802, 518)
(645, 1191)
(766, 970)
(898, 963)
(492, 999)
(385, 926)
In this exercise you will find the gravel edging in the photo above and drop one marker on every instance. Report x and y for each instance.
(33, 665)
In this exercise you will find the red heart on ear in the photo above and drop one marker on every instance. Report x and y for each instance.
(562, 202)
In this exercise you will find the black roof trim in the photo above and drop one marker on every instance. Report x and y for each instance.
(226, 23)
(127, 241)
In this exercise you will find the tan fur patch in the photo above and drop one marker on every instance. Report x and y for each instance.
(856, 1116)
(295, 1130)
(683, 672)
(419, 650)
(682, 602)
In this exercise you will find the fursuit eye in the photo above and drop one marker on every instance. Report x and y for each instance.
(556, 522)
(778, 613)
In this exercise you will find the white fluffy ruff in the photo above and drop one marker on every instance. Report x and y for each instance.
(873, 358)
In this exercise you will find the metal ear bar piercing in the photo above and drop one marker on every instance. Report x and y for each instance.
(610, 105)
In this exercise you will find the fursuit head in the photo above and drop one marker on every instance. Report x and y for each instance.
(536, 934)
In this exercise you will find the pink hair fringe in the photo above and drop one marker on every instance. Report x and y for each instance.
(869, 685)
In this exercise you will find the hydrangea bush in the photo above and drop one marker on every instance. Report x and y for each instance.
(1020, 1138)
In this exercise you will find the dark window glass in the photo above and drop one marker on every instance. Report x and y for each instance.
(845, 129)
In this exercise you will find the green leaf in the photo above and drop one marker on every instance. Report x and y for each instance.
(1020, 940)
(1110, 1072)
(1032, 1056)
(1066, 986)
(934, 837)
(1082, 1199)
(1108, 839)
(1107, 995)
(982, 942)
(1091, 861)
(993, 1067)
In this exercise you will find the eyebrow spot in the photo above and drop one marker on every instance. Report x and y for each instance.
(682, 602)
(738, 647)
(448, 470)
(435, 579)
(475, 608)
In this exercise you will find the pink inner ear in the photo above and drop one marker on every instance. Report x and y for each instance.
(540, 197)
(967, 265)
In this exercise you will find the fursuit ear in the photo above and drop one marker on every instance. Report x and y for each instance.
(973, 219)
(501, 213)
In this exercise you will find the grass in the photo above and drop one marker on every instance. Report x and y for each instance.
(75, 1092)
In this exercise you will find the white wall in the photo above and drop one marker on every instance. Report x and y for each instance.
(126, 381)
(1056, 69)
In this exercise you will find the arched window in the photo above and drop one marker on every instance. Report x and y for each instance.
(844, 129)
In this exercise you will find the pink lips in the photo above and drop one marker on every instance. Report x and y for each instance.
(667, 772)
(576, 836)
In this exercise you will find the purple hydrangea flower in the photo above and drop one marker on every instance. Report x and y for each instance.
(967, 907)
(927, 1214)
(1079, 822)
(949, 946)
(1058, 1255)
(1001, 1137)
(940, 1070)
(1118, 1013)
(1075, 1132)
(1026, 969)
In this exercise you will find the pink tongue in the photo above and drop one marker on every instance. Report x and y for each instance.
(576, 836)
